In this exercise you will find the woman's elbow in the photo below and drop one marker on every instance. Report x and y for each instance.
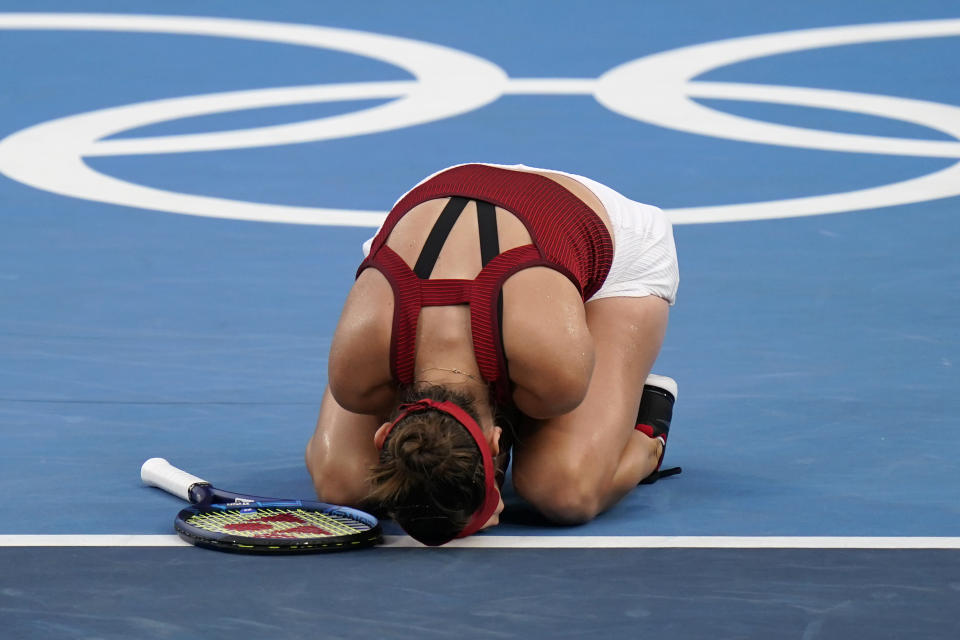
(553, 396)
(367, 398)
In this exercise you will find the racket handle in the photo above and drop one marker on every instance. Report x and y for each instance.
(157, 472)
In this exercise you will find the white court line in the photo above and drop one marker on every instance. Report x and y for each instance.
(91, 541)
(542, 542)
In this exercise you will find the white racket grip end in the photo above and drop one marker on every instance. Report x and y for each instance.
(157, 472)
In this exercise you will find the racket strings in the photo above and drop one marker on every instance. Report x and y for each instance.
(280, 523)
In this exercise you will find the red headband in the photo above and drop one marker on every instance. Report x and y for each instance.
(491, 498)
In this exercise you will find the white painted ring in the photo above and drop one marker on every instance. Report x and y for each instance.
(656, 89)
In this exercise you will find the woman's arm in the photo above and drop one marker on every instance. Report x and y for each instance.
(341, 452)
(549, 347)
(359, 364)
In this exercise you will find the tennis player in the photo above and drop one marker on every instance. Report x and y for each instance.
(500, 308)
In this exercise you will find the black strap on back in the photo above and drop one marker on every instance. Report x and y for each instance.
(489, 244)
(487, 223)
(438, 235)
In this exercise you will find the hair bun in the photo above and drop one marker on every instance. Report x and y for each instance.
(421, 451)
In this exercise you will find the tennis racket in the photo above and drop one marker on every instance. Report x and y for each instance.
(229, 521)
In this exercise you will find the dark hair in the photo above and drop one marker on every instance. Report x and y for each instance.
(430, 474)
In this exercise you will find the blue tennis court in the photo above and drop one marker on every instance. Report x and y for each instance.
(184, 189)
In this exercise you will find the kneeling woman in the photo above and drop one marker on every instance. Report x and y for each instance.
(490, 291)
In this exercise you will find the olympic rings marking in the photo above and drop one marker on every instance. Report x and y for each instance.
(655, 89)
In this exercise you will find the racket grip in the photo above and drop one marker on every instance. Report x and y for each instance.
(157, 472)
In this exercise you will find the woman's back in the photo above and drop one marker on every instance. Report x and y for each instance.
(544, 331)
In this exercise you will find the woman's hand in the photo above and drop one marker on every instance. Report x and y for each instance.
(495, 518)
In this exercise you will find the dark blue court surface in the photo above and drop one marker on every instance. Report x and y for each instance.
(662, 593)
(183, 196)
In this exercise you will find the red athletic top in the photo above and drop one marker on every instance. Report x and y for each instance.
(566, 235)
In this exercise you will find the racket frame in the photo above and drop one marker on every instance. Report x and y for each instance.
(206, 498)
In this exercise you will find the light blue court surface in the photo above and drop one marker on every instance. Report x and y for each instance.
(171, 272)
